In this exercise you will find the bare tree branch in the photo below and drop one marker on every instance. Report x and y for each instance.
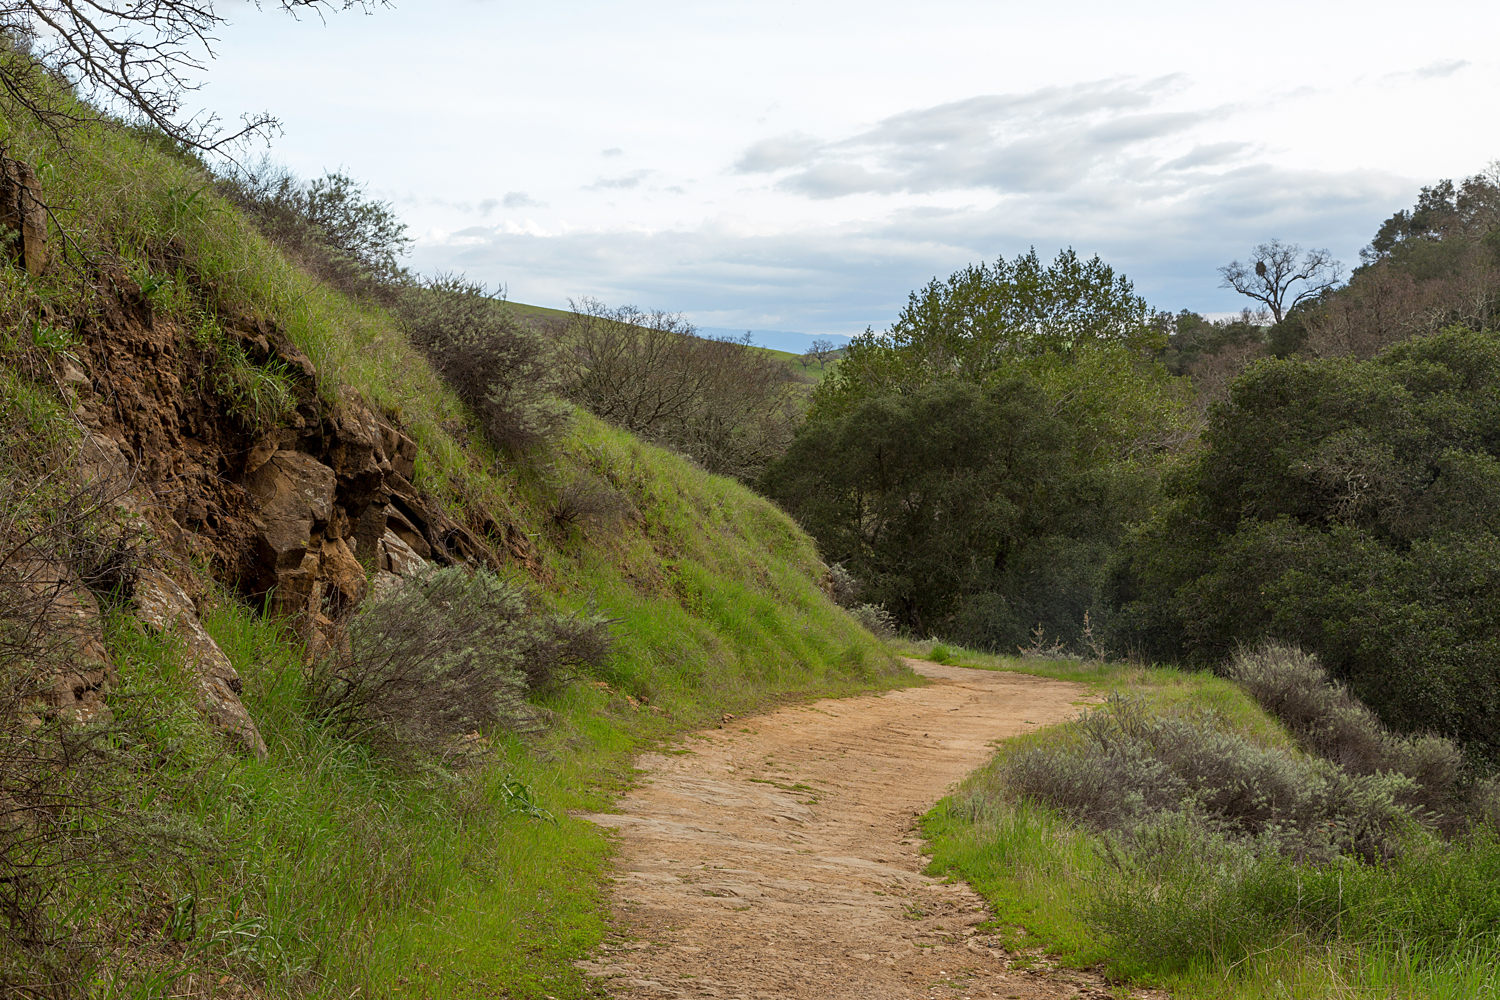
(1275, 267)
(134, 58)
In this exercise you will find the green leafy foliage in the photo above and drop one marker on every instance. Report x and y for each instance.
(923, 497)
(976, 323)
(327, 225)
(974, 465)
(1350, 508)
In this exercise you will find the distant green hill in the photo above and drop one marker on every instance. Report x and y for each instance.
(813, 371)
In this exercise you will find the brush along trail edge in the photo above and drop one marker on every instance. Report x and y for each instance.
(778, 856)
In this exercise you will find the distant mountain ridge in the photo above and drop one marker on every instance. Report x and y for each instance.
(779, 340)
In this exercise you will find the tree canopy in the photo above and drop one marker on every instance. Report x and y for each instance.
(977, 323)
(1352, 507)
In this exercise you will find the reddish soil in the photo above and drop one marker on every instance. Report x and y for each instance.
(777, 857)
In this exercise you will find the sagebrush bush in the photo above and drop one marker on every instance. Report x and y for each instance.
(1126, 768)
(1326, 719)
(843, 586)
(877, 620)
(497, 362)
(446, 653)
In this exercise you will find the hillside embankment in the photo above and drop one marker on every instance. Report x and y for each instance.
(778, 856)
(213, 463)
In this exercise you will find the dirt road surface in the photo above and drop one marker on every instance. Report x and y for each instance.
(777, 857)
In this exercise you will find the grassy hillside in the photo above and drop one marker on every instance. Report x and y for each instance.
(324, 869)
(813, 371)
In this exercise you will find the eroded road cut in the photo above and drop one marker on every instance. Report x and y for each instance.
(778, 857)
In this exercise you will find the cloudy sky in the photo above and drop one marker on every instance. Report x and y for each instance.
(804, 165)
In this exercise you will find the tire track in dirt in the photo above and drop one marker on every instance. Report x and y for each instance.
(777, 857)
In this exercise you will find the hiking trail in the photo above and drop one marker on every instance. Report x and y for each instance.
(777, 856)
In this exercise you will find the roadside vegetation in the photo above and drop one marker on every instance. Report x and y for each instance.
(1256, 835)
(407, 832)
(1296, 508)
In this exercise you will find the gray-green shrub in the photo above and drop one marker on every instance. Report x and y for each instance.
(1327, 720)
(497, 362)
(877, 620)
(1127, 768)
(455, 650)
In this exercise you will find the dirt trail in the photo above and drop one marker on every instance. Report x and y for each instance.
(777, 858)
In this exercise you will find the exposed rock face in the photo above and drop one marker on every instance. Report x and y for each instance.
(76, 672)
(164, 606)
(23, 215)
(308, 513)
(294, 495)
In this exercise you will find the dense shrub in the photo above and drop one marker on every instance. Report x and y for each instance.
(1349, 508)
(446, 653)
(877, 620)
(1128, 768)
(726, 405)
(843, 586)
(1329, 721)
(497, 362)
(326, 225)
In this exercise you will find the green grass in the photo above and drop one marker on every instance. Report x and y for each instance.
(335, 873)
(1424, 926)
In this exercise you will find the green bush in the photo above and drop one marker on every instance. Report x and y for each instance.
(326, 225)
(1351, 508)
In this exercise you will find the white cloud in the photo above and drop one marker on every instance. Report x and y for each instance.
(622, 182)
(513, 199)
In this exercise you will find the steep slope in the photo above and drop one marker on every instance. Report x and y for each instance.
(263, 450)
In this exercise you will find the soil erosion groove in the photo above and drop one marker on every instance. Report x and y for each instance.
(777, 856)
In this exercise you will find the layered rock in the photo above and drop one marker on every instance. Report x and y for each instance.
(23, 215)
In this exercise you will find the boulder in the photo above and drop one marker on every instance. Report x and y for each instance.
(294, 497)
(163, 606)
(393, 555)
(23, 215)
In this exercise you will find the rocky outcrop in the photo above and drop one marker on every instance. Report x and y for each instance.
(23, 215)
(74, 669)
(164, 607)
(308, 515)
(293, 493)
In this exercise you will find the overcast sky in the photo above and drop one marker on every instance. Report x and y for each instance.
(803, 166)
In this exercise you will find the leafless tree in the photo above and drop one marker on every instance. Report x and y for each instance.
(135, 58)
(821, 350)
(1275, 267)
(722, 402)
